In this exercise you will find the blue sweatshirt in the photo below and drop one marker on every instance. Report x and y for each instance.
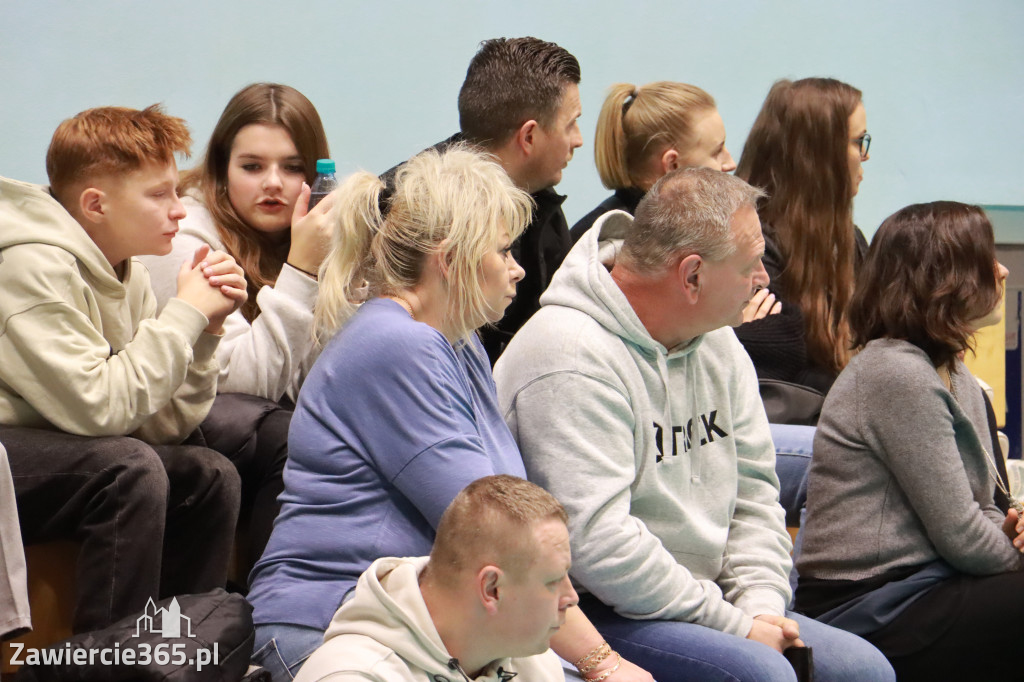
(391, 424)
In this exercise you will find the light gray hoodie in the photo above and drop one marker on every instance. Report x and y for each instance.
(385, 633)
(662, 457)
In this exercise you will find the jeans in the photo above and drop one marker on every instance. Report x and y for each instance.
(282, 648)
(152, 520)
(671, 651)
(793, 446)
(252, 432)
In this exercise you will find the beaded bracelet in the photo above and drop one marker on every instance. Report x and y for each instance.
(607, 673)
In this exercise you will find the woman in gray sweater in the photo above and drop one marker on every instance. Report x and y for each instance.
(903, 542)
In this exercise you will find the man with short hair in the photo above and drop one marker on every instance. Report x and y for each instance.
(97, 391)
(483, 606)
(520, 101)
(660, 446)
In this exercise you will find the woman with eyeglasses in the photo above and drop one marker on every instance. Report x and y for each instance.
(806, 150)
(911, 539)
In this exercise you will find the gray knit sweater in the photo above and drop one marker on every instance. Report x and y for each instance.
(899, 475)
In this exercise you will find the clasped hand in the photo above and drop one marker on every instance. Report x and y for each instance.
(214, 284)
(1014, 529)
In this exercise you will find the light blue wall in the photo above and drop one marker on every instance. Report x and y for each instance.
(943, 81)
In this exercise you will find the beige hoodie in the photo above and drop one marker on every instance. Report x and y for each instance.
(80, 350)
(384, 633)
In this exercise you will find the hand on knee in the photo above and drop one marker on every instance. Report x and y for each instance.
(778, 632)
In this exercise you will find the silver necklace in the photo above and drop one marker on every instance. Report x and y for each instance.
(990, 462)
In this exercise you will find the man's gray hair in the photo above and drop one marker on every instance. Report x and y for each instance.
(687, 211)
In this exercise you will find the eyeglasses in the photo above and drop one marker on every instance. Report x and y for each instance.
(864, 142)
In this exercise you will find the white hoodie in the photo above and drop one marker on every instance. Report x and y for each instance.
(385, 633)
(270, 357)
(662, 457)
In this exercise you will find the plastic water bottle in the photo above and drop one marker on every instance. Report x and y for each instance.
(324, 183)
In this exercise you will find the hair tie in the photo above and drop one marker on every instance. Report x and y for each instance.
(629, 101)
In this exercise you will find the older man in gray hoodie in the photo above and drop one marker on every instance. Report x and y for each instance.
(632, 400)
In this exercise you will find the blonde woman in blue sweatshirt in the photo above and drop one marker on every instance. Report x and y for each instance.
(399, 412)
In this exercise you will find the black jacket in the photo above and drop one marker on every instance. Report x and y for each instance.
(776, 343)
(623, 200)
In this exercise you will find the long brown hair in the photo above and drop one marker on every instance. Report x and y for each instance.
(637, 123)
(797, 152)
(270, 103)
(930, 269)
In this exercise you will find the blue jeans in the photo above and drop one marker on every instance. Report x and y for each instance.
(793, 446)
(671, 651)
(282, 648)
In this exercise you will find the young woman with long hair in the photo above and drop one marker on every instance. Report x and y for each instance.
(248, 197)
(805, 150)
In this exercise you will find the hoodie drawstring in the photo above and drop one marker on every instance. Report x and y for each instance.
(695, 438)
(454, 664)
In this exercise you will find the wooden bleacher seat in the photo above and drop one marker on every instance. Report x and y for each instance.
(51, 594)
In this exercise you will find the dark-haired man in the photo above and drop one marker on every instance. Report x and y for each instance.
(520, 101)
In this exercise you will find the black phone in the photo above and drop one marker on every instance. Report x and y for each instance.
(802, 660)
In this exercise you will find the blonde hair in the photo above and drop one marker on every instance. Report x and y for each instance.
(453, 202)
(637, 123)
(491, 520)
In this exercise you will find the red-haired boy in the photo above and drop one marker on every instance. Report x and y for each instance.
(97, 393)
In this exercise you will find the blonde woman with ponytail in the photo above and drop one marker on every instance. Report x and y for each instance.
(399, 411)
(644, 132)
